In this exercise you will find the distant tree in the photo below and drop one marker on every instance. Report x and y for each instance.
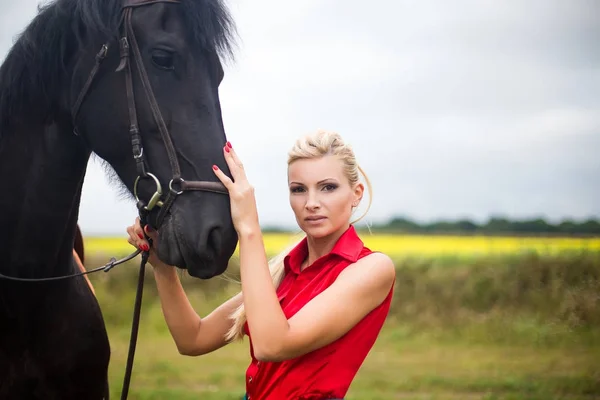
(591, 226)
(498, 225)
(403, 224)
(495, 225)
(466, 226)
(567, 226)
(533, 226)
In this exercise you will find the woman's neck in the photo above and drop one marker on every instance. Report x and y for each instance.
(319, 247)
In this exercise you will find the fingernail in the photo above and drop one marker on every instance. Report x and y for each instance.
(229, 145)
(215, 167)
(148, 229)
(227, 149)
(145, 247)
(140, 236)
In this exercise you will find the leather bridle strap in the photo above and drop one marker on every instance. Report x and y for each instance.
(129, 36)
(86, 87)
(130, 52)
(177, 185)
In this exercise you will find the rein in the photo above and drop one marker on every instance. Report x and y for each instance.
(177, 185)
(106, 267)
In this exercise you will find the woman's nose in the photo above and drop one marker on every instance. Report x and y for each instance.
(312, 201)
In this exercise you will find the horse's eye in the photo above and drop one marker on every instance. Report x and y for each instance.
(163, 59)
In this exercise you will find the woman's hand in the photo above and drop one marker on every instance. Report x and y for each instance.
(137, 239)
(241, 194)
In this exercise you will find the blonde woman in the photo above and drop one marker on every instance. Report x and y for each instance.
(313, 313)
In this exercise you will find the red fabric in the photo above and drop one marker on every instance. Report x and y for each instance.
(325, 373)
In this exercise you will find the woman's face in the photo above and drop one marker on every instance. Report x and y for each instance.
(321, 196)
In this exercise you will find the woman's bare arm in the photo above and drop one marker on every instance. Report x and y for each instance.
(192, 334)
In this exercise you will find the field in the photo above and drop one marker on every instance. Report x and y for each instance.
(472, 318)
(399, 246)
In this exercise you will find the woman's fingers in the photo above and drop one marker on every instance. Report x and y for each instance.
(225, 180)
(138, 228)
(234, 156)
(136, 236)
(233, 161)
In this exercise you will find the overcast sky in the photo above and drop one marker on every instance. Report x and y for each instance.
(455, 108)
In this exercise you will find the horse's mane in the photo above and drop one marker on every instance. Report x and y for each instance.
(35, 70)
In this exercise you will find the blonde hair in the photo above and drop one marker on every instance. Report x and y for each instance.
(320, 144)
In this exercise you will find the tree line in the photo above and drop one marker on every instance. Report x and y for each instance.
(494, 226)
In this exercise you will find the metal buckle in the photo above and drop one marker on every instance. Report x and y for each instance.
(102, 53)
(176, 193)
(155, 199)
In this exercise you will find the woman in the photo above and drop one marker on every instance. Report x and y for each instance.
(313, 313)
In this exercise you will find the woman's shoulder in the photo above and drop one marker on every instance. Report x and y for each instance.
(377, 261)
(370, 257)
(375, 269)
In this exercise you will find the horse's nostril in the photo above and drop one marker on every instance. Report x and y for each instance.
(215, 240)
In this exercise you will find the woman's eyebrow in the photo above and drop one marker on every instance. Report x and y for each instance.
(318, 183)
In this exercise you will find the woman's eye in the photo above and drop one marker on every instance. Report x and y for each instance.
(163, 59)
(296, 190)
(329, 187)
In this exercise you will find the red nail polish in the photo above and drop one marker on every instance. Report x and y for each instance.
(215, 167)
(140, 236)
(229, 145)
(145, 247)
(227, 149)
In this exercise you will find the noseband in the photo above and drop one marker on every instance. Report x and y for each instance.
(177, 185)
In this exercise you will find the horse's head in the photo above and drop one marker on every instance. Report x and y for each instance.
(177, 67)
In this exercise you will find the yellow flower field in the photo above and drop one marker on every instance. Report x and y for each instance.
(398, 246)
(414, 245)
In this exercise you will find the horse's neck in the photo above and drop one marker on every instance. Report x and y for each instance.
(41, 174)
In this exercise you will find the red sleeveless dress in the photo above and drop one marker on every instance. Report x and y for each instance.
(325, 373)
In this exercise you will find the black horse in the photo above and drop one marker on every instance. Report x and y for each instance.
(137, 84)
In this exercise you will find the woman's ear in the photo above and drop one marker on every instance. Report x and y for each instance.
(359, 190)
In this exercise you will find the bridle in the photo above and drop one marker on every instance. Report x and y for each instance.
(177, 185)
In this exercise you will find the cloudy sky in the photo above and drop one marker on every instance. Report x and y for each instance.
(465, 108)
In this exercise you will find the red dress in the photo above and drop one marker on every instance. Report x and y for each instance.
(325, 373)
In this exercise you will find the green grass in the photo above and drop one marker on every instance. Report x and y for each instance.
(404, 364)
(524, 328)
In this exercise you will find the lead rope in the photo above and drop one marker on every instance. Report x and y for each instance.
(134, 326)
